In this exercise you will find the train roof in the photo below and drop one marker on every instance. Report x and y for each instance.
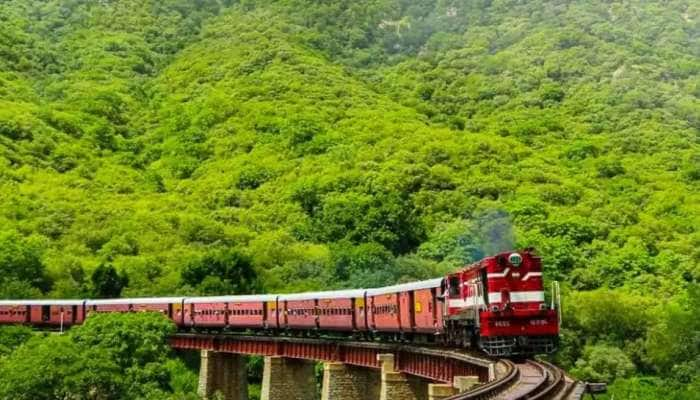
(247, 298)
(332, 294)
(429, 284)
(45, 302)
(138, 300)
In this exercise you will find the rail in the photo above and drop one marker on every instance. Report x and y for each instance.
(528, 380)
(556, 384)
(491, 389)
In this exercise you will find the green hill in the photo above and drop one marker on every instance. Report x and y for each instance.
(180, 147)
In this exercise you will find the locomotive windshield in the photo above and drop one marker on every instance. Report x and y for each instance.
(454, 286)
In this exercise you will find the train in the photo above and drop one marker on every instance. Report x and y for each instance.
(496, 304)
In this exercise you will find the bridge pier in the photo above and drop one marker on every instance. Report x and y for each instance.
(224, 373)
(464, 383)
(440, 391)
(288, 379)
(396, 385)
(348, 382)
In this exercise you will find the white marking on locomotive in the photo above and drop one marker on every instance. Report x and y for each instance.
(499, 274)
(515, 297)
(531, 274)
(467, 302)
(529, 296)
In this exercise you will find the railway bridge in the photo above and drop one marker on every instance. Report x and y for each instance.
(368, 371)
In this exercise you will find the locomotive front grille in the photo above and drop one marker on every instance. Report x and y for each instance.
(504, 346)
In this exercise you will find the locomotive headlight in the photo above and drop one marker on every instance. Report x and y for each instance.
(515, 259)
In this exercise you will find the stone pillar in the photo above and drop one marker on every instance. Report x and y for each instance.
(223, 373)
(492, 372)
(398, 386)
(288, 379)
(440, 391)
(464, 383)
(348, 382)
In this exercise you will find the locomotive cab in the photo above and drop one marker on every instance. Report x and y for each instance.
(466, 298)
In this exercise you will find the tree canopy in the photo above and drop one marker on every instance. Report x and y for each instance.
(249, 146)
(111, 356)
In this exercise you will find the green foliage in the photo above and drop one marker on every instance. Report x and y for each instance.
(455, 243)
(607, 315)
(185, 126)
(56, 367)
(602, 363)
(650, 388)
(11, 336)
(673, 343)
(137, 339)
(20, 260)
(220, 272)
(358, 144)
(107, 283)
(111, 356)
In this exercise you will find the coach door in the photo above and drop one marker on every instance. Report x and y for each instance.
(412, 309)
(45, 313)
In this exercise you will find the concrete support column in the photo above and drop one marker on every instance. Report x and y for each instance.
(464, 383)
(440, 391)
(348, 382)
(399, 386)
(288, 379)
(223, 373)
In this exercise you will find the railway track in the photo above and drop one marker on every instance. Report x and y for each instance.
(526, 380)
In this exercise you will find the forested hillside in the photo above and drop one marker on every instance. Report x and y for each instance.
(168, 147)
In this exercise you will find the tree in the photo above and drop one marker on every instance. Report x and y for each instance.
(221, 271)
(613, 316)
(363, 266)
(134, 339)
(601, 363)
(56, 367)
(20, 261)
(110, 357)
(107, 282)
(673, 343)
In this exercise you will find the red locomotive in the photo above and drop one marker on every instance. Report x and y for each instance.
(496, 304)
(499, 303)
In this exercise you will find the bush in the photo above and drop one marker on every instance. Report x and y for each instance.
(602, 363)
(12, 337)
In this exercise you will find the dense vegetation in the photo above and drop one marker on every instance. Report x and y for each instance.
(180, 147)
(110, 357)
